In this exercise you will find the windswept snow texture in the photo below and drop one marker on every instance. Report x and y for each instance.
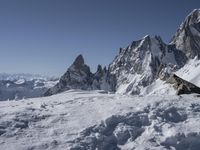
(82, 120)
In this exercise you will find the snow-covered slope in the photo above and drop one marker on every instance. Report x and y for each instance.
(191, 71)
(89, 120)
(158, 87)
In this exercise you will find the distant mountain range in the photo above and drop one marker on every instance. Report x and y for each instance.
(25, 76)
(19, 86)
(139, 65)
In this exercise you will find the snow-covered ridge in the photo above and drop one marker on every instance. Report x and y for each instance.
(79, 76)
(137, 65)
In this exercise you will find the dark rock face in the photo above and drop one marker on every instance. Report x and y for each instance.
(79, 76)
(103, 80)
(182, 86)
(187, 37)
(79, 62)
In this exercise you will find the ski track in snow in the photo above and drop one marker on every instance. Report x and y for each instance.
(95, 120)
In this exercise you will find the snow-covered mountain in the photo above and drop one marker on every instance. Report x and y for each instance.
(19, 86)
(138, 65)
(187, 37)
(135, 67)
(79, 76)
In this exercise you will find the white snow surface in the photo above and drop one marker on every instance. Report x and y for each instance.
(191, 72)
(102, 121)
(158, 87)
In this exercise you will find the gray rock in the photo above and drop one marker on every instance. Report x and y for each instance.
(79, 76)
(182, 86)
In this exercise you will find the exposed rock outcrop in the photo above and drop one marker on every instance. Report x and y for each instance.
(182, 86)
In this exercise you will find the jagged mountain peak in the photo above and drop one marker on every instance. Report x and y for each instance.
(187, 37)
(79, 76)
(79, 61)
(193, 17)
(145, 43)
(137, 65)
(138, 49)
(99, 72)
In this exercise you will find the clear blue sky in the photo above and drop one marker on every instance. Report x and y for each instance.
(45, 36)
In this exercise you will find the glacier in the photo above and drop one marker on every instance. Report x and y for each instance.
(80, 120)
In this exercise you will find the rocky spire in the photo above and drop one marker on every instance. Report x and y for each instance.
(79, 62)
